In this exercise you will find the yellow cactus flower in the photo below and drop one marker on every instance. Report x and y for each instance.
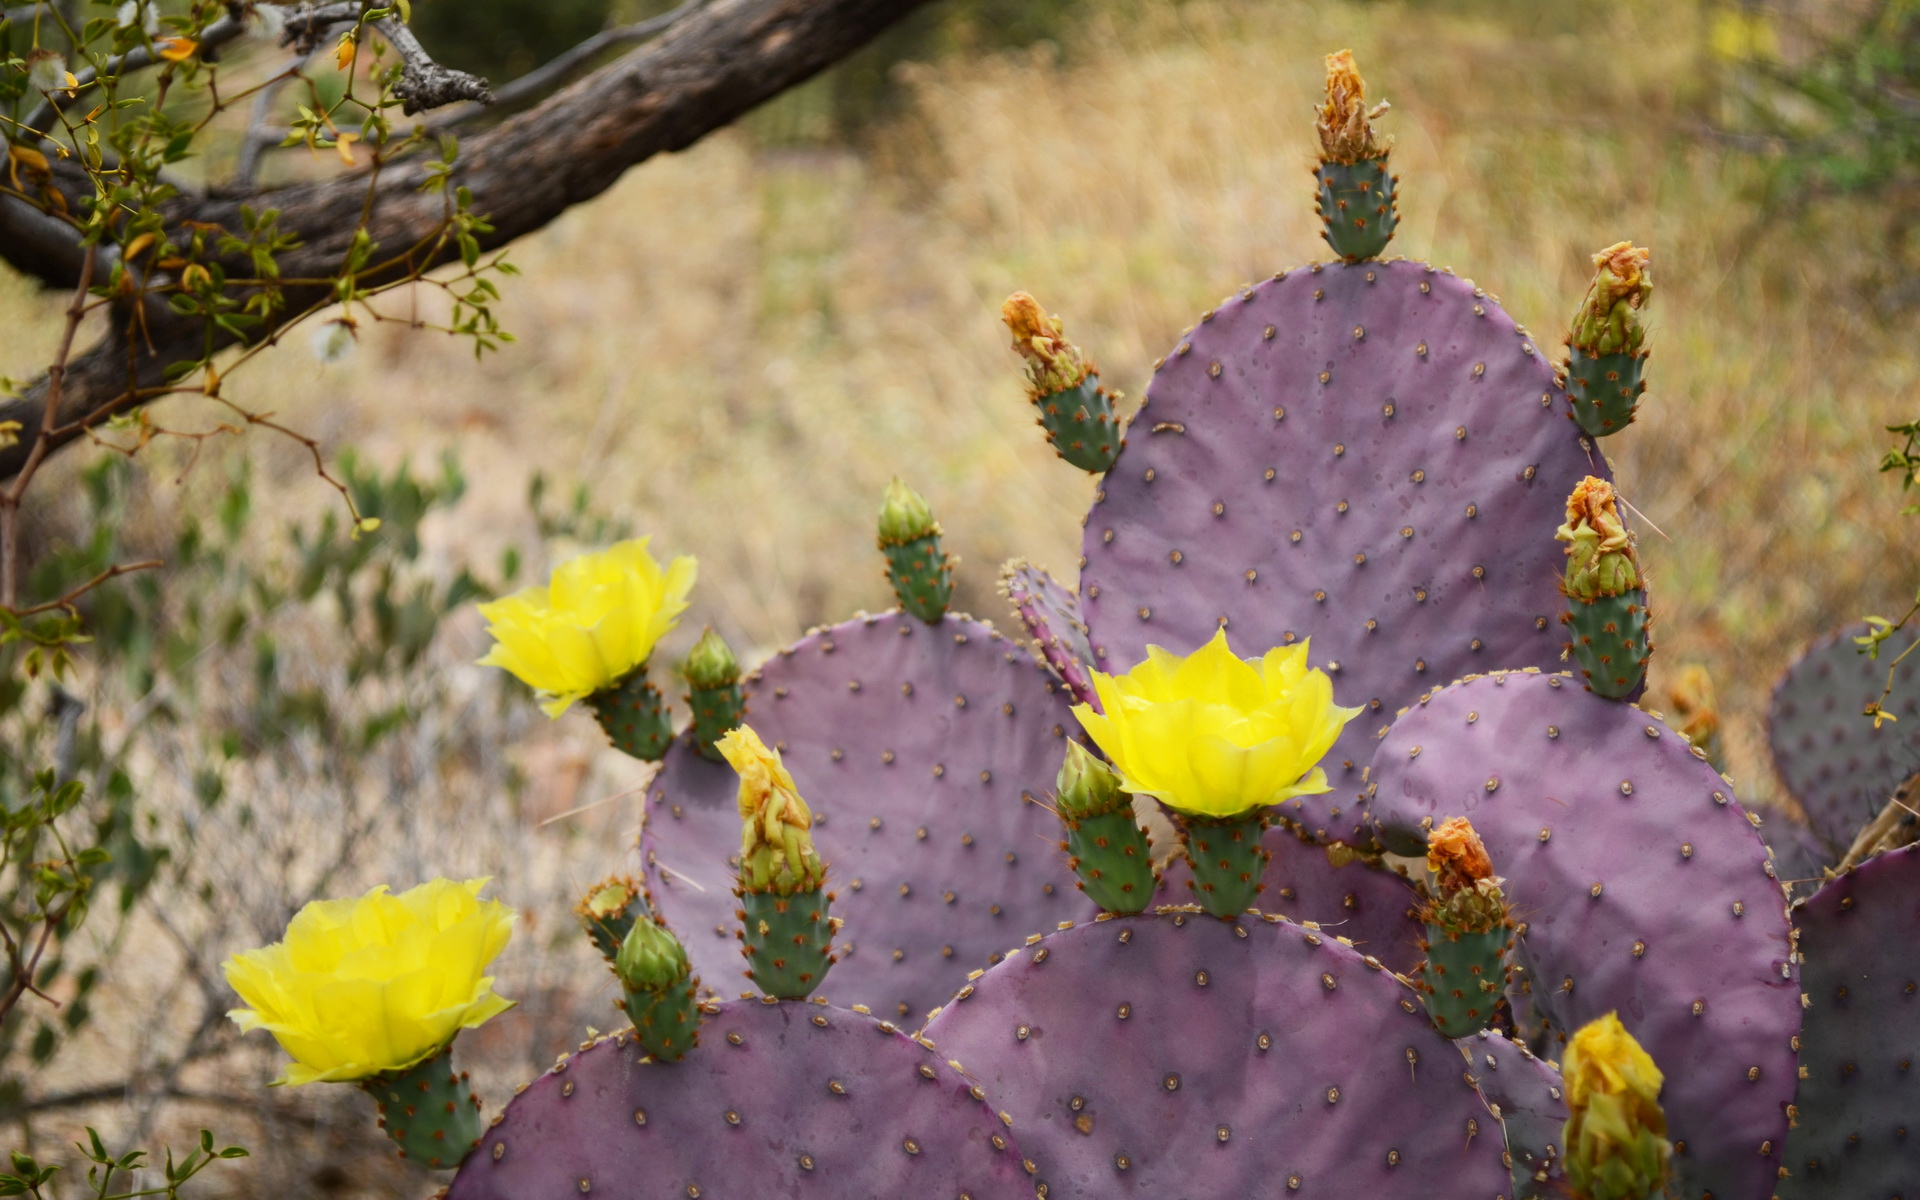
(1616, 1134)
(776, 845)
(361, 987)
(1215, 735)
(596, 620)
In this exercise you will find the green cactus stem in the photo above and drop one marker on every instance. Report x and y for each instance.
(1469, 933)
(1227, 860)
(713, 691)
(428, 1110)
(1356, 190)
(921, 573)
(635, 716)
(1607, 604)
(786, 930)
(1108, 850)
(658, 988)
(1606, 349)
(1064, 386)
(608, 912)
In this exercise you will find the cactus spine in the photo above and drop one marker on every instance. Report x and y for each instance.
(1064, 385)
(1357, 205)
(1607, 609)
(658, 988)
(787, 934)
(634, 715)
(920, 571)
(429, 1111)
(1606, 352)
(608, 912)
(1108, 850)
(713, 691)
(1469, 932)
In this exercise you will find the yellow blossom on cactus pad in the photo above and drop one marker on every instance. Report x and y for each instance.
(1615, 1135)
(361, 987)
(1216, 735)
(597, 620)
(776, 845)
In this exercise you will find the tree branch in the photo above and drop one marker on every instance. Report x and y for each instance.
(709, 69)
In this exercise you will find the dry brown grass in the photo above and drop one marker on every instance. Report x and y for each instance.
(737, 347)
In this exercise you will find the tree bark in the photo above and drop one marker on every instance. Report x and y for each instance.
(703, 73)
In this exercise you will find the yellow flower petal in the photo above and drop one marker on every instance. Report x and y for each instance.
(1213, 734)
(374, 984)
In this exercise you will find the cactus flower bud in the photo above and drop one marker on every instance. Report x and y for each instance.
(1457, 855)
(905, 515)
(776, 847)
(1600, 557)
(1345, 122)
(651, 959)
(1616, 1136)
(1054, 364)
(609, 910)
(1469, 932)
(1087, 786)
(711, 664)
(1609, 318)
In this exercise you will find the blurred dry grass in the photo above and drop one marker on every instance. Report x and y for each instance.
(738, 346)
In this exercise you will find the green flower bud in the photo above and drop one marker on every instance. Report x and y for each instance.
(1609, 318)
(1600, 557)
(1088, 787)
(905, 516)
(651, 959)
(711, 664)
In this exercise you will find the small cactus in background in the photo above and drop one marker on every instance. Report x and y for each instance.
(1108, 849)
(1064, 385)
(1616, 1134)
(1607, 609)
(658, 991)
(587, 635)
(1219, 740)
(1357, 205)
(1469, 932)
(713, 691)
(1606, 351)
(787, 933)
(372, 991)
(608, 912)
(920, 571)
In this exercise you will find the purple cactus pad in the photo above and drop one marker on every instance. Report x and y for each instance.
(1373, 456)
(1526, 1092)
(1051, 613)
(792, 1100)
(923, 750)
(1374, 910)
(1645, 889)
(1857, 1130)
(1840, 768)
(1173, 1055)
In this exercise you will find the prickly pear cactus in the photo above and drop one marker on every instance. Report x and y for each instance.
(1051, 614)
(1857, 1116)
(780, 1099)
(1174, 1054)
(1645, 889)
(1837, 765)
(923, 751)
(634, 714)
(1372, 456)
(1526, 1093)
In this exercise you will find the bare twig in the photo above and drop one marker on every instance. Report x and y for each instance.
(1894, 827)
(426, 84)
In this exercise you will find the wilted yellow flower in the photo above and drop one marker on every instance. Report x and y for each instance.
(1616, 1143)
(776, 847)
(1215, 735)
(596, 620)
(1345, 122)
(1599, 549)
(361, 987)
(1456, 854)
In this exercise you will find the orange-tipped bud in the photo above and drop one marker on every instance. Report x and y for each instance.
(1345, 122)
(1054, 364)
(1457, 855)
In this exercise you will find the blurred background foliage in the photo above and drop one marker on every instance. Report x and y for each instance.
(739, 345)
